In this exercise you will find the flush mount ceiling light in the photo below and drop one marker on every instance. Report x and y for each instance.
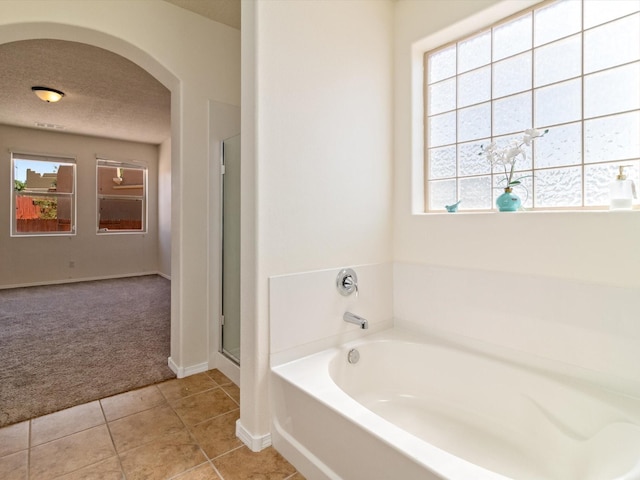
(46, 94)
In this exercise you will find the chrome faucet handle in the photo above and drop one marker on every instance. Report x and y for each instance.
(347, 282)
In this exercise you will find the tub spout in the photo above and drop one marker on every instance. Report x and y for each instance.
(351, 318)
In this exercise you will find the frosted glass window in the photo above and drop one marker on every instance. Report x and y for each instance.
(558, 61)
(562, 146)
(442, 129)
(470, 162)
(540, 68)
(559, 103)
(512, 38)
(597, 12)
(612, 91)
(512, 114)
(441, 193)
(443, 95)
(442, 65)
(474, 53)
(612, 138)
(475, 192)
(560, 19)
(474, 87)
(512, 75)
(598, 178)
(558, 187)
(474, 122)
(442, 162)
(612, 44)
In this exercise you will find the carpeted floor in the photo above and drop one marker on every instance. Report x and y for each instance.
(64, 345)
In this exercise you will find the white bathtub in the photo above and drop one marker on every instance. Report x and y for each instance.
(426, 409)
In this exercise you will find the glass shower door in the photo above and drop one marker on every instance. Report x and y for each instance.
(230, 324)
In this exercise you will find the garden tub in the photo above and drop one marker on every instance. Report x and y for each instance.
(415, 407)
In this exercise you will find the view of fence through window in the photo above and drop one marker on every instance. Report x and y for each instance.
(43, 195)
(570, 66)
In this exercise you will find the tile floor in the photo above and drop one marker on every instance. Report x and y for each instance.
(182, 429)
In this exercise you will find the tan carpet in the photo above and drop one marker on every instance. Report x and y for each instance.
(64, 345)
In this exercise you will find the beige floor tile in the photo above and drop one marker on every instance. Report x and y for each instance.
(296, 476)
(218, 435)
(70, 453)
(203, 472)
(14, 438)
(128, 403)
(106, 470)
(162, 458)
(184, 387)
(233, 391)
(203, 406)
(219, 377)
(65, 422)
(144, 427)
(14, 466)
(243, 464)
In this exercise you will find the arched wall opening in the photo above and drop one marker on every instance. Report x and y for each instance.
(29, 31)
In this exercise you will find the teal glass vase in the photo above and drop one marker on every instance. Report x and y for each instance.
(508, 201)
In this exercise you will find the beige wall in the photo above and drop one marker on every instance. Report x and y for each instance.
(317, 140)
(84, 255)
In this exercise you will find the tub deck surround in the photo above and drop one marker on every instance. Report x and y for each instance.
(462, 414)
(592, 327)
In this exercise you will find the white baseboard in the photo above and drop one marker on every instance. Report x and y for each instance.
(182, 372)
(81, 279)
(254, 443)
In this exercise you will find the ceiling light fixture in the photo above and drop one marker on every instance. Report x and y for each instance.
(46, 94)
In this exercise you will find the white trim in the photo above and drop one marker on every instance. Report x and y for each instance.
(256, 444)
(182, 372)
(226, 366)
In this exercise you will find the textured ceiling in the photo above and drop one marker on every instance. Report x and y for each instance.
(222, 11)
(106, 95)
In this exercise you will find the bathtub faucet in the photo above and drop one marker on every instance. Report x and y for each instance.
(351, 318)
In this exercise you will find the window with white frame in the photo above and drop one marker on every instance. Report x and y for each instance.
(569, 66)
(122, 197)
(43, 196)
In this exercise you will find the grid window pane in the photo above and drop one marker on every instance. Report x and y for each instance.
(442, 129)
(560, 19)
(612, 44)
(562, 146)
(474, 122)
(474, 53)
(598, 178)
(442, 162)
(558, 61)
(475, 192)
(558, 187)
(512, 75)
(597, 12)
(443, 96)
(512, 114)
(442, 193)
(612, 138)
(559, 103)
(442, 64)
(612, 91)
(512, 37)
(470, 159)
(474, 87)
